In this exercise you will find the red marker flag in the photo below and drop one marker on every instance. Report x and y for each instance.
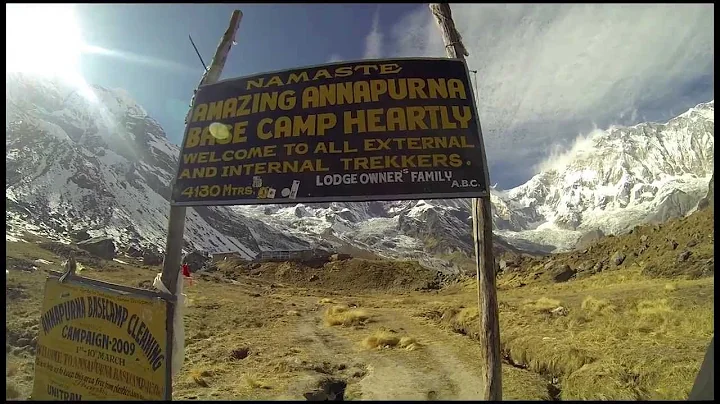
(186, 272)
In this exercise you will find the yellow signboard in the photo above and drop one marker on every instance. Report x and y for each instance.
(100, 344)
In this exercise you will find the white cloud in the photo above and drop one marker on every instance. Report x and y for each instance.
(373, 42)
(561, 157)
(547, 72)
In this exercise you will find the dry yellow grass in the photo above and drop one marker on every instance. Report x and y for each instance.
(326, 300)
(381, 339)
(337, 309)
(345, 316)
(386, 339)
(256, 383)
(409, 343)
(543, 304)
(406, 342)
(467, 315)
(623, 337)
(670, 287)
(199, 380)
(654, 307)
(593, 305)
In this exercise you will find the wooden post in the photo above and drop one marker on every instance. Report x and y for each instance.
(482, 232)
(704, 386)
(176, 219)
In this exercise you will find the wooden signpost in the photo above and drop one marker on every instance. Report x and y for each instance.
(176, 219)
(369, 130)
(482, 232)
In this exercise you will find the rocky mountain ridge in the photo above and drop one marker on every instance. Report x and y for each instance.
(98, 163)
(608, 182)
(93, 160)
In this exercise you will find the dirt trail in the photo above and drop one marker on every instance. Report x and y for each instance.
(444, 368)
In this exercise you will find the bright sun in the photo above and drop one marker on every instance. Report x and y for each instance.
(43, 39)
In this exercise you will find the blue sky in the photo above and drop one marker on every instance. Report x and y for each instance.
(547, 73)
(270, 37)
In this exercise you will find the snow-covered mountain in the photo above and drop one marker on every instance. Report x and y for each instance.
(611, 181)
(95, 161)
(615, 179)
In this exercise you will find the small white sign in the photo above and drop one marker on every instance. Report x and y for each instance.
(294, 189)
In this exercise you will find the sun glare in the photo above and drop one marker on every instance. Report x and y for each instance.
(43, 39)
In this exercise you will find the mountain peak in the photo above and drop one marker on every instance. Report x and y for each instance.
(98, 162)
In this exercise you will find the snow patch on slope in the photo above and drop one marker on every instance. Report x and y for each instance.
(105, 167)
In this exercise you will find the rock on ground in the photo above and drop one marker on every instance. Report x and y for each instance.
(102, 247)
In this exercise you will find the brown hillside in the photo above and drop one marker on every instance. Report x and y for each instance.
(355, 275)
(682, 247)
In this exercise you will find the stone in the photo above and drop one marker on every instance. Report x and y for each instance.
(80, 235)
(598, 267)
(152, 257)
(21, 342)
(708, 268)
(618, 258)
(559, 311)
(133, 252)
(196, 260)
(101, 247)
(684, 256)
(563, 273)
(340, 257)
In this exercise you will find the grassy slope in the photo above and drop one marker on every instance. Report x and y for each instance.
(629, 333)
